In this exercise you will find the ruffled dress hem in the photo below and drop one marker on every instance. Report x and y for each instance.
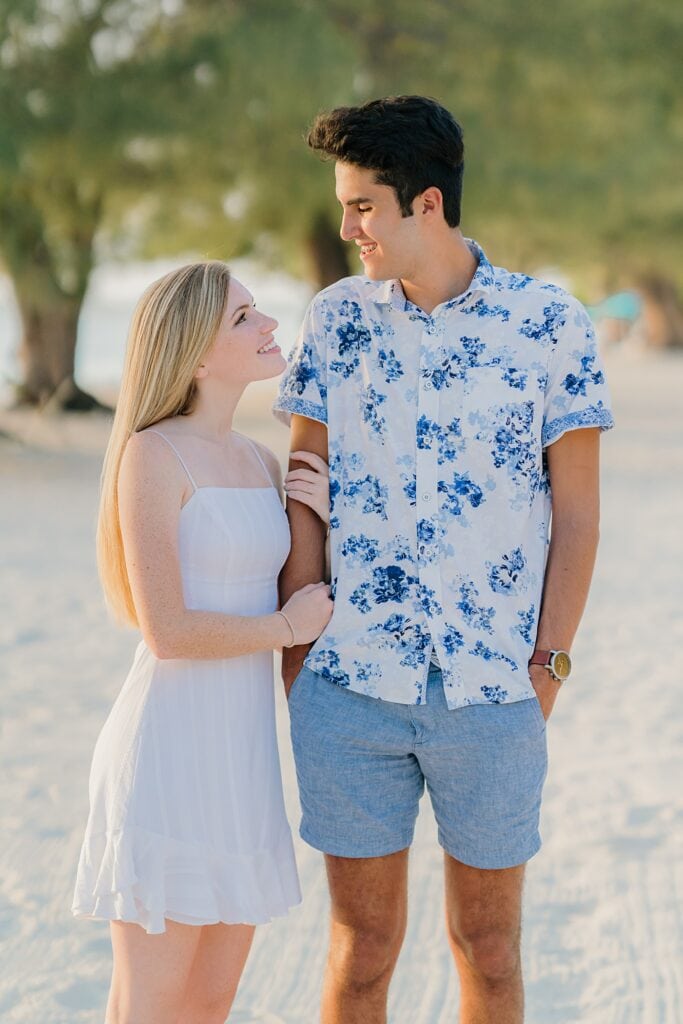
(142, 877)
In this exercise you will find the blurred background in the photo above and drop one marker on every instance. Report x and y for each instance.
(138, 130)
(138, 134)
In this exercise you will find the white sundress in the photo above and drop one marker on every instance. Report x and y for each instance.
(187, 818)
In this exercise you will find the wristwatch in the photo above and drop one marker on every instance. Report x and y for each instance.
(558, 663)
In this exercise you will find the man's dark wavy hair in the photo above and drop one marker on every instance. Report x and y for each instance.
(410, 142)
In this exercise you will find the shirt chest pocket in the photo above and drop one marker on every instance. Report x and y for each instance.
(492, 403)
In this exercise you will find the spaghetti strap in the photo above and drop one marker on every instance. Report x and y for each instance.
(151, 430)
(258, 456)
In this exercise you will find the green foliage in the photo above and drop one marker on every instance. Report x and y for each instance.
(273, 69)
(162, 126)
(572, 116)
(98, 100)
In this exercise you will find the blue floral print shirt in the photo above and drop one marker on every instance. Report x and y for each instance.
(439, 490)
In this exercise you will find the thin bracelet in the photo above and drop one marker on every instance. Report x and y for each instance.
(291, 628)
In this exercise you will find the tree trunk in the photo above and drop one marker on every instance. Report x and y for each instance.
(47, 353)
(328, 254)
(49, 311)
(662, 316)
(48, 346)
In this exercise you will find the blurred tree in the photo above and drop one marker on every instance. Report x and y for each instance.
(147, 127)
(91, 93)
(279, 63)
(574, 127)
(150, 126)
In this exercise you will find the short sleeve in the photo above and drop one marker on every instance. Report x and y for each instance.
(576, 390)
(303, 386)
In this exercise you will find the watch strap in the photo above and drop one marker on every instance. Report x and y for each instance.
(540, 658)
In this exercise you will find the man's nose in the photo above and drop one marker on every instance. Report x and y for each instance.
(349, 226)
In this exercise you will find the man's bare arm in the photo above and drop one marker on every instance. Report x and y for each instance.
(306, 562)
(574, 467)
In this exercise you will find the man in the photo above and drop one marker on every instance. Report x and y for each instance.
(457, 403)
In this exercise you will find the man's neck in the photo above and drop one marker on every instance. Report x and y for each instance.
(448, 274)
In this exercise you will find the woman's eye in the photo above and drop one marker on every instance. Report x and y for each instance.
(241, 318)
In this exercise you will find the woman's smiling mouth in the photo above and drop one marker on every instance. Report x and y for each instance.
(270, 346)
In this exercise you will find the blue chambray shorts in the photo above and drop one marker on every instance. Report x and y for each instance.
(362, 765)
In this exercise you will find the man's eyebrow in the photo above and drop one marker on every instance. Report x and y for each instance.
(356, 202)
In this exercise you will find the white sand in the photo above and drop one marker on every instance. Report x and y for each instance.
(603, 939)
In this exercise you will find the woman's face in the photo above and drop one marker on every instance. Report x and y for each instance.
(244, 349)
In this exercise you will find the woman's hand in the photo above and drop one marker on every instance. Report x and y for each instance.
(308, 611)
(310, 486)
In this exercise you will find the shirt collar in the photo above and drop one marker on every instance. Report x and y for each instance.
(390, 293)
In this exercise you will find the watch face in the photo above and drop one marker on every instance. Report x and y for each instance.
(561, 664)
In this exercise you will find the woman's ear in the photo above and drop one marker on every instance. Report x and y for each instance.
(201, 372)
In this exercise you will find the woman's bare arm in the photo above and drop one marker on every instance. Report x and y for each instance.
(152, 487)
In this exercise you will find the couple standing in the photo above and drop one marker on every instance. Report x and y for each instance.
(456, 404)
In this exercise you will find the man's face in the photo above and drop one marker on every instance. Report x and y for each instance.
(388, 243)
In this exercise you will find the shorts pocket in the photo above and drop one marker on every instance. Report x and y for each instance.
(536, 704)
(296, 685)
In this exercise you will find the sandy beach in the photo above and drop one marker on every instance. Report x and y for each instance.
(603, 929)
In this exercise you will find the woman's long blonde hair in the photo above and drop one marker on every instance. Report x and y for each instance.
(174, 324)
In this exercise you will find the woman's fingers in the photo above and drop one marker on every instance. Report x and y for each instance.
(312, 459)
(308, 476)
(310, 486)
(307, 497)
(318, 503)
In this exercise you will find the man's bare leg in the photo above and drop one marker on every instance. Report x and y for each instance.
(484, 921)
(368, 922)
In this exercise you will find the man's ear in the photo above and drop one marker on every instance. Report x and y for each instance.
(430, 202)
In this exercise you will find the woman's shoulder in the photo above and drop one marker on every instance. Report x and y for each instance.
(148, 456)
(270, 458)
(167, 428)
(143, 444)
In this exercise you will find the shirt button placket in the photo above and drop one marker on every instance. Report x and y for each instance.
(426, 476)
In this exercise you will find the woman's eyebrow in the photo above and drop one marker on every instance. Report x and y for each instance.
(245, 305)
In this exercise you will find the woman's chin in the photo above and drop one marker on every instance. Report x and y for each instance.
(273, 367)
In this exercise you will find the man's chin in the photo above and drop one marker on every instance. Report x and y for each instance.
(376, 273)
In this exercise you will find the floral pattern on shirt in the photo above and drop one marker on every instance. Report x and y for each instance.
(439, 490)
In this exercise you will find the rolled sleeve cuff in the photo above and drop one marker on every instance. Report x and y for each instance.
(590, 417)
(284, 407)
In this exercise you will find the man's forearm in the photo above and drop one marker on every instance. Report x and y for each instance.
(306, 561)
(305, 564)
(569, 569)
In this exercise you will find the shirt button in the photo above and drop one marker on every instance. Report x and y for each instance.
(428, 385)
(426, 496)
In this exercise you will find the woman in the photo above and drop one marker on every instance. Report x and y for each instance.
(187, 845)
